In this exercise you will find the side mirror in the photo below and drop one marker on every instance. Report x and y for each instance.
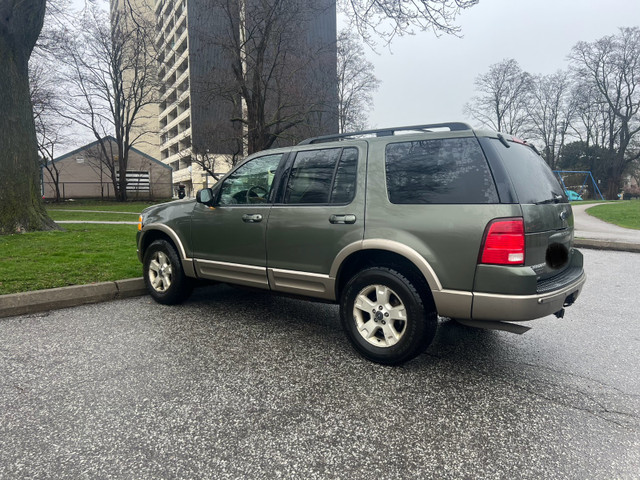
(205, 196)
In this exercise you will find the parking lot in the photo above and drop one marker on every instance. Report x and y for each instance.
(239, 384)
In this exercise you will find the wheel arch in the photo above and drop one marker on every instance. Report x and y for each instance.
(388, 253)
(158, 231)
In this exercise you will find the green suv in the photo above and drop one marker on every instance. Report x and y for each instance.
(398, 226)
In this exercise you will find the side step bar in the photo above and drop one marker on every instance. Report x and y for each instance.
(494, 325)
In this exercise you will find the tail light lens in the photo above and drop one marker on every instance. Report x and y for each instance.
(503, 242)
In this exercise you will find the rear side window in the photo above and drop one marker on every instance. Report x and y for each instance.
(449, 170)
(532, 179)
(344, 185)
(323, 176)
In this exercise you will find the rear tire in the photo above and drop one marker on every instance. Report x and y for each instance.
(388, 318)
(163, 274)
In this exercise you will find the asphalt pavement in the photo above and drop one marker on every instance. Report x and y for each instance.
(238, 384)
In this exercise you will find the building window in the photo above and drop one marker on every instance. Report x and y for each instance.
(137, 181)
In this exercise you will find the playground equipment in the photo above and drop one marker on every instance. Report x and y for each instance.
(587, 188)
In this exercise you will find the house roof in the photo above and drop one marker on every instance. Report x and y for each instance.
(108, 137)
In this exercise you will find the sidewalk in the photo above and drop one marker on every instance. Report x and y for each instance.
(590, 232)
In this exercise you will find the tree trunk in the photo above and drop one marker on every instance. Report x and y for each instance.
(123, 160)
(613, 189)
(616, 172)
(21, 207)
(54, 175)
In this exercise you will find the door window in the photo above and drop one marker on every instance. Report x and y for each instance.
(344, 183)
(251, 183)
(323, 176)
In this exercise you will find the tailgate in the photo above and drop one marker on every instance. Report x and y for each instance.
(549, 238)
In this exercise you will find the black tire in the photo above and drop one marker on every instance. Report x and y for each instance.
(163, 274)
(388, 336)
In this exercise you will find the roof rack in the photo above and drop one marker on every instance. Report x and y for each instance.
(386, 132)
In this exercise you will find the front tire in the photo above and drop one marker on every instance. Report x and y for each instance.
(388, 318)
(163, 274)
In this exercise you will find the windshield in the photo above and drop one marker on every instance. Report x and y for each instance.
(532, 178)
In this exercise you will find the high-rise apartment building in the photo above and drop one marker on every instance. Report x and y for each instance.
(175, 93)
(198, 108)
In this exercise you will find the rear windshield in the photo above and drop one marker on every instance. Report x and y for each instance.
(451, 170)
(531, 177)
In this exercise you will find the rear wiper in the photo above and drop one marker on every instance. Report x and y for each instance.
(556, 199)
(503, 140)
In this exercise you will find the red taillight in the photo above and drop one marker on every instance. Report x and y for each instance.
(503, 242)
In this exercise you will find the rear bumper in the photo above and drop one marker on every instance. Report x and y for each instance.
(491, 306)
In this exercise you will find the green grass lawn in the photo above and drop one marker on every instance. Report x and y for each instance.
(586, 202)
(624, 213)
(81, 254)
(132, 207)
(88, 210)
(58, 215)
(78, 255)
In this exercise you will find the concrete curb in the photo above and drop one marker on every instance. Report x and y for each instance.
(63, 297)
(606, 245)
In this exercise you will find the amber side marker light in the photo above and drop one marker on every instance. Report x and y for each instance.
(140, 223)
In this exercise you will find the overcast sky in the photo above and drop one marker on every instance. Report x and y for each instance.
(426, 79)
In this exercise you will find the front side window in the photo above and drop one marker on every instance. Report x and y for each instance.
(251, 183)
(323, 176)
(442, 171)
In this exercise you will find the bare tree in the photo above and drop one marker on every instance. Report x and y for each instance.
(504, 94)
(387, 19)
(271, 77)
(593, 120)
(275, 84)
(356, 83)
(20, 25)
(551, 110)
(21, 207)
(612, 66)
(113, 77)
(215, 164)
(52, 130)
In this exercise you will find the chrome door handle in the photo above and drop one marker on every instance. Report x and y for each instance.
(342, 219)
(251, 218)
